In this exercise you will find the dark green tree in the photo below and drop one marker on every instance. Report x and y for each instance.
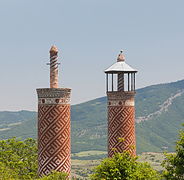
(18, 161)
(122, 166)
(174, 163)
(19, 158)
(7, 173)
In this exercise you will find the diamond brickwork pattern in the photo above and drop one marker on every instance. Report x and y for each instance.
(54, 138)
(121, 129)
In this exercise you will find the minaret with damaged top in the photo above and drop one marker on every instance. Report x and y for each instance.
(120, 81)
(54, 142)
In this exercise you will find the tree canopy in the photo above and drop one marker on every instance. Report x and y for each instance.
(122, 166)
(18, 160)
(174, 163)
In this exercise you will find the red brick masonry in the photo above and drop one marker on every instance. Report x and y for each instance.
(121, 123)
(54, 130)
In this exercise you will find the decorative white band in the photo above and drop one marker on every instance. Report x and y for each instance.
(129, 103)
(121, 103)
(53, 100)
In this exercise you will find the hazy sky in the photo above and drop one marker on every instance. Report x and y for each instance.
(89, 35)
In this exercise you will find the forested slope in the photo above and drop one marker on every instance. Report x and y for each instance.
(159, 115)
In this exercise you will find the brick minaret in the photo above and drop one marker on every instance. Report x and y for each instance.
(121, 111)
(54, 123)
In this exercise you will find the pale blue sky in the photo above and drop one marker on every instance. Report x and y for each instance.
(89, 35)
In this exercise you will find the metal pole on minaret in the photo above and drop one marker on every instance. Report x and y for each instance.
(54, 143)
(121, 107)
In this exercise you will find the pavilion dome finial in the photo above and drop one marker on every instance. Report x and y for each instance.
(121, 56)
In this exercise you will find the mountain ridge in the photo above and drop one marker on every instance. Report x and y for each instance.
(89, 120)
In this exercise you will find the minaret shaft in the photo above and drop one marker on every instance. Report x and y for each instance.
(54, 140)
(121, 108)
(54, 144)
(121, 122)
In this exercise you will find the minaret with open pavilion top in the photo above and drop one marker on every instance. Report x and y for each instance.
(120, 88)
(54, 142)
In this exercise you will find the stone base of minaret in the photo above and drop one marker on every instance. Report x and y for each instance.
(54, 130)
(121, 122)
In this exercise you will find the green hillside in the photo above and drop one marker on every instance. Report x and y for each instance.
(159, 115)
(90, 124)
(20, 124)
